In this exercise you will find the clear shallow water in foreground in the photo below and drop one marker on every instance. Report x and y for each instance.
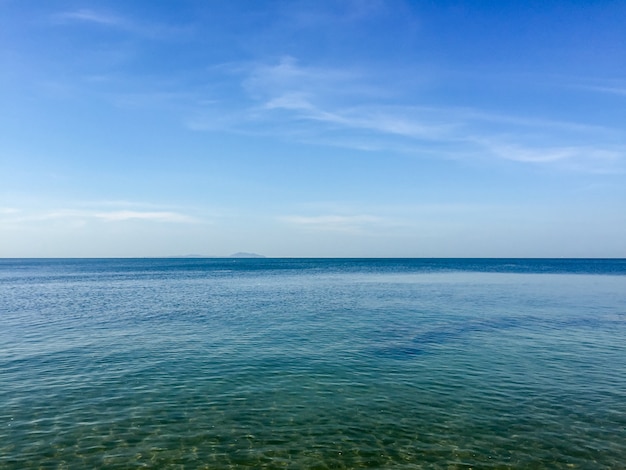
(223, 363)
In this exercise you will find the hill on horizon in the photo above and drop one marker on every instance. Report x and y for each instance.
(242, 254)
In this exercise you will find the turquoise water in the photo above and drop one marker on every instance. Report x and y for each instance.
(269, 363)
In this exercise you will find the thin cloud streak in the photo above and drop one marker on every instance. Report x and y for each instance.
(334, 223)
(306, 104)
(121, 23)
(107, 216)
(613, 90)
(8, 210)
(578, 158)
(90, 16)
(153, 216)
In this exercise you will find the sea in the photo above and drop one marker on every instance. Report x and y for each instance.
(312, 363)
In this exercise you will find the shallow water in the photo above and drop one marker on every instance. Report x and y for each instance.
(312, 363)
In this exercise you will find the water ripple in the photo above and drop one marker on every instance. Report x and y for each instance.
(204, 365)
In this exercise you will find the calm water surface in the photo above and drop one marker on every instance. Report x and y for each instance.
(270, 363)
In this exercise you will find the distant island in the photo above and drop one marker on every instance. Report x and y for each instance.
(242, 254)
(239, 254)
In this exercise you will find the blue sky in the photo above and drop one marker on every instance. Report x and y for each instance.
(313, 128)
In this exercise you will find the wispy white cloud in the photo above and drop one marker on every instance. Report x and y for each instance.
(112, 20)
(91, 16)
(387, 220)
(310, 15)
(8, 210)
(322, 97)
(389, 120)
(103, 215)
(334, 223)
(612, 90)
(157, 216)
(157, 99)
(613, 87)
(531, 155)
(288, 83)
(574, 157)
(475, 115)
(123, 215)
(266, 81)
(337, 106)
